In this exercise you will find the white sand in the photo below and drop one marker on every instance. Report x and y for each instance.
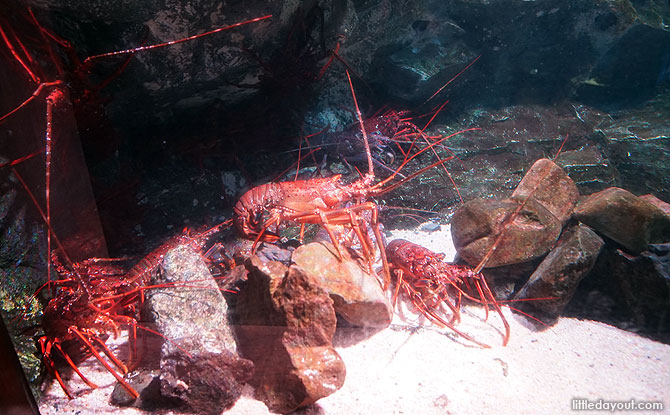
(414, 369)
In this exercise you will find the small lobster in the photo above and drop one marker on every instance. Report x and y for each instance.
(429, 282)
(382, 130)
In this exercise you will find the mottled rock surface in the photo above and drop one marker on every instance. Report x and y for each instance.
(549, 185)
(287, 322)
(477, 224)
(644, 281)
(357, 296)
(559, 274)
(589, 169)
(664, 206)
(199, 364)
(625, 218)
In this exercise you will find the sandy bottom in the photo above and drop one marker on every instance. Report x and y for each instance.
(410, 370)
(415, 368)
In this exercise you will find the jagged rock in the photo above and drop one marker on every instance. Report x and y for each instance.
(206, 383)
(200, 349)
(287, 322)
(548, 184)
(625, 218)
(559, 274)
(357, 295)
(477, 224)
(644, 281)
(638, 145)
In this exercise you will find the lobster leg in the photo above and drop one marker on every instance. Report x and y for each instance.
(111, 370)
(496, 306)
(74, 367)
(347, 216)
(418, 302)
(45, 346)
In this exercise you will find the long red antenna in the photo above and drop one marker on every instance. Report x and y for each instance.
(371, 172)
(174, 42)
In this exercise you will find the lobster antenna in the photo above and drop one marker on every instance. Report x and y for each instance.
(174, 42)
(452, 79)
(368, 153)
(415, 155)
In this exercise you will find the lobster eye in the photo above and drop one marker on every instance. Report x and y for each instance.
(257, 218)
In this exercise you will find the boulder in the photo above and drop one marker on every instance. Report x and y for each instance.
(559, 274)
(357, 295)
(627, 219)
(550, 185)
(199, 364)
(478, 223)
(644, 282)
(287, 322)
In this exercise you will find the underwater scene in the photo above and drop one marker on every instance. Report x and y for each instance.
(327, 207)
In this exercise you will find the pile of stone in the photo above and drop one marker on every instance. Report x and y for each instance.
(282, 323)
(548, 238)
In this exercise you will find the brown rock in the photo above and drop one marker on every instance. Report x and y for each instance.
(206, 383)
(477, 224)
(287, 322)
(627, 219)
(201, 349)
(550, 185)
(357, 295)
(559, 274)
(664, 206)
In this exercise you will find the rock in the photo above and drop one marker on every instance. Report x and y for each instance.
(665, 207)
(625, 218)
(200, 351)
(287, 322)
(477, 224)
(559, 274)
(207, 383)
(357, 295)
(644, 282)
(638, 145)
(589, 169)
(146, 382)
(548, 184)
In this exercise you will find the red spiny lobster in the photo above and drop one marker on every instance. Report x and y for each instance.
(320, 201)
(96, 297)
(429, 283)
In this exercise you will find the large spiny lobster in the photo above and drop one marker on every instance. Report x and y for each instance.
(323, 201)
(429, 283)
(96, 297)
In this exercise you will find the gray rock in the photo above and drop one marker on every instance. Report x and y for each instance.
(559, 274)
(199, 364)
(644, 281)
(589, 169)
